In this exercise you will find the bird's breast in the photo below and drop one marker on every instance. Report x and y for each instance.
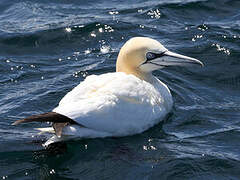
(117, 103)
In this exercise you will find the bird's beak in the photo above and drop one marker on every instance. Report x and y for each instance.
(169, 58)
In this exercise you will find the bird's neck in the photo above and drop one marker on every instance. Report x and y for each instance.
(124, 65)
(136, 72)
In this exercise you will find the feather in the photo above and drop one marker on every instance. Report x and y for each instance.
(59, 121)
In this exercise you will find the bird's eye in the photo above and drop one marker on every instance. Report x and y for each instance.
(150, 56)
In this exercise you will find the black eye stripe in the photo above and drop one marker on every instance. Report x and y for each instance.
(151, 55)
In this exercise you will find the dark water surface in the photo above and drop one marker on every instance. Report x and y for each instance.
(47, 47)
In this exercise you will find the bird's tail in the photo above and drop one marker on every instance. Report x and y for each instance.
(59, 121)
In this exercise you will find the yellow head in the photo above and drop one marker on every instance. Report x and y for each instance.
(141, 55)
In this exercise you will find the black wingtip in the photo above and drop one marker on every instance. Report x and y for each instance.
(46, 117)
(59, 121)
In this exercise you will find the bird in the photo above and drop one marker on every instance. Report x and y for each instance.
(115, 104)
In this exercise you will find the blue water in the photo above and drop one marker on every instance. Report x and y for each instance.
(48, 47)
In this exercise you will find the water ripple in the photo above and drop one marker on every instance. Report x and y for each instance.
(49, 47)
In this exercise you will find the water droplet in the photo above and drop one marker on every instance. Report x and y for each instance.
(154, 14)
(93, 35)
(100, 30)
(108, 28)
(150, 140)
(76, 53)
(87, 51)
(84, 75)
(113, 12)
(153, 148)
(68, 29)
(52, 171)
(222, 49)
(202, 27)
(105, 49)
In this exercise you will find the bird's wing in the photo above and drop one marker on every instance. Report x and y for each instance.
(113, 102)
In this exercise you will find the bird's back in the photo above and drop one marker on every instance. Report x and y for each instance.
(117, 103)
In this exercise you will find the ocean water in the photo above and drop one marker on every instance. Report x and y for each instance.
(47, 47)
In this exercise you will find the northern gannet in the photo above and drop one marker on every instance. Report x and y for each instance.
(126, 102)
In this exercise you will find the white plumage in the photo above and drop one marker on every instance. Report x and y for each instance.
(116, 103)
(126, 102)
